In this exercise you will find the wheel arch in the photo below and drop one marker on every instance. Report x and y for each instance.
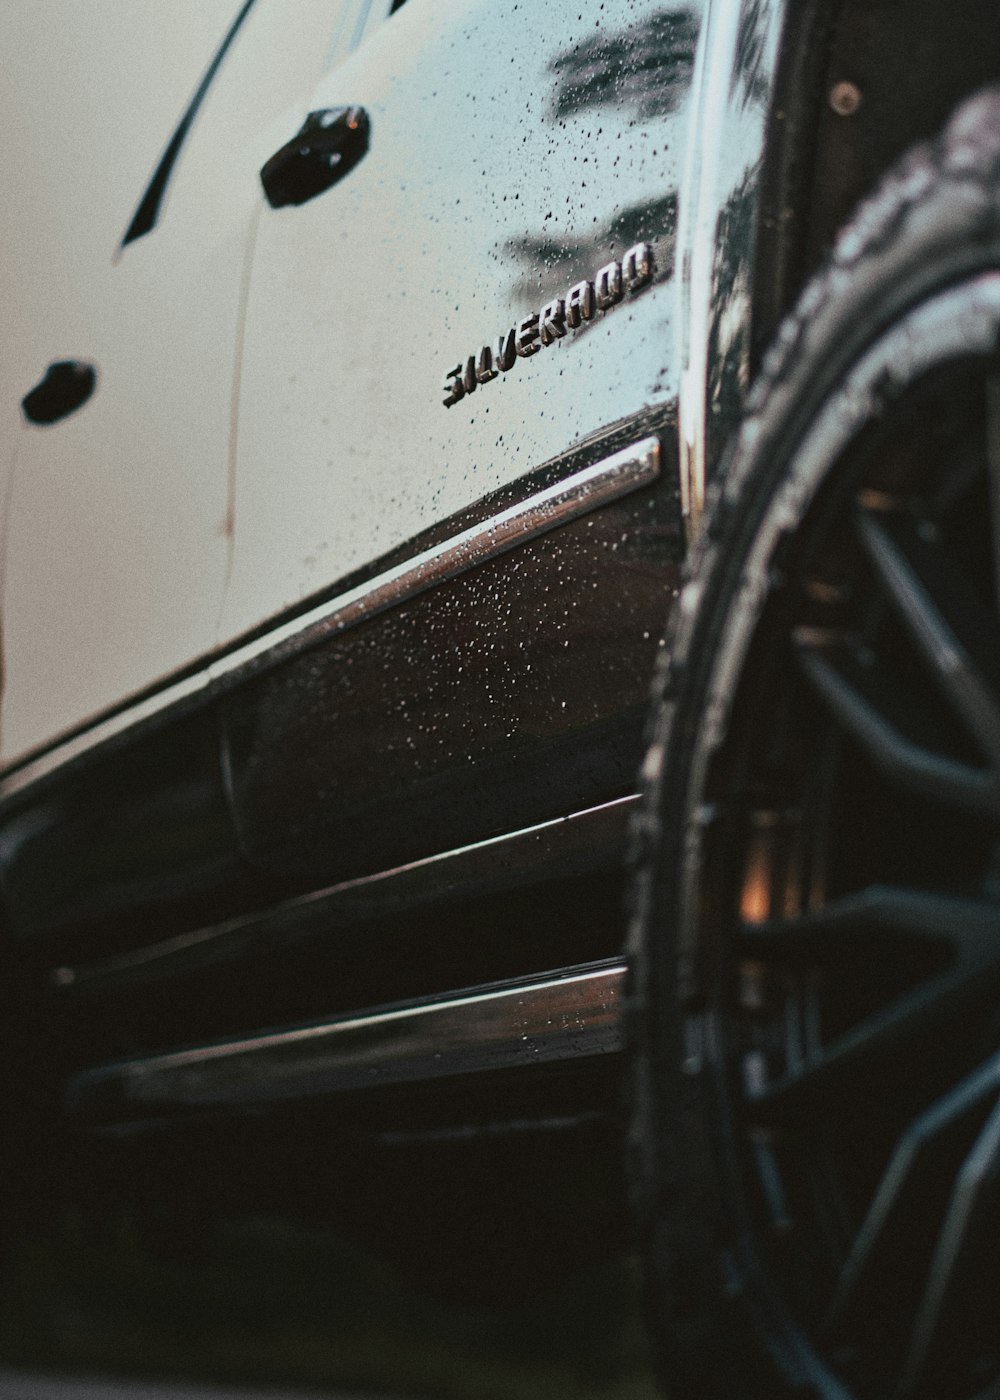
(797, 112)
(906, 64)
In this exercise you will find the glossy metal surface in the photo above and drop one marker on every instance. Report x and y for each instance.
(327, 774)
(490, 668)
(610, 285)
(718, 214)
(509, 693)
(571, 846)
(503, 908)
(595, 486)
(47, 762)
(516, 151)
(615, 107)
(566, 1016)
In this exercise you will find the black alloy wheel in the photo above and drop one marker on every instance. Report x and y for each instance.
(816, 942)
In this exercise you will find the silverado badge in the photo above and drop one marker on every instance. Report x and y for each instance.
(581, 303)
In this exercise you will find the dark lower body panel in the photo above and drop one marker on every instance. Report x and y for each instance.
(366, 846)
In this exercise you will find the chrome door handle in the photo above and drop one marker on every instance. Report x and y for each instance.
(330, 144)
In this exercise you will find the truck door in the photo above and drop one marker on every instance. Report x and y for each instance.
(505, 154)
(119, 517)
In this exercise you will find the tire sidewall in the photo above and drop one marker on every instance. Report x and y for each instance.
(935, 222)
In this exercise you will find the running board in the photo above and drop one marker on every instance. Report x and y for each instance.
(564, 1016)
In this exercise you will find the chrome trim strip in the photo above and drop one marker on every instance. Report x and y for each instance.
(558, 1017)
(585, 491)
(30, 769)
(597, 485)
(563, 846)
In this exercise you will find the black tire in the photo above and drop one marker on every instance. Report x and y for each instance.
(815, 946)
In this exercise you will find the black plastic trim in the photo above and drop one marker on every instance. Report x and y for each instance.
(148, 211)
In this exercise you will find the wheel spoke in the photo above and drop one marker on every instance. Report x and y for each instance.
(976, 1178)
(904, 762)
(965, 1098)
(953, 631)
(970, 926)
(905, 1019)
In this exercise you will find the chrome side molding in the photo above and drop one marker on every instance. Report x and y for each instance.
(599, 484)
(581, 842)
(567, 1015)
(584, 491)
